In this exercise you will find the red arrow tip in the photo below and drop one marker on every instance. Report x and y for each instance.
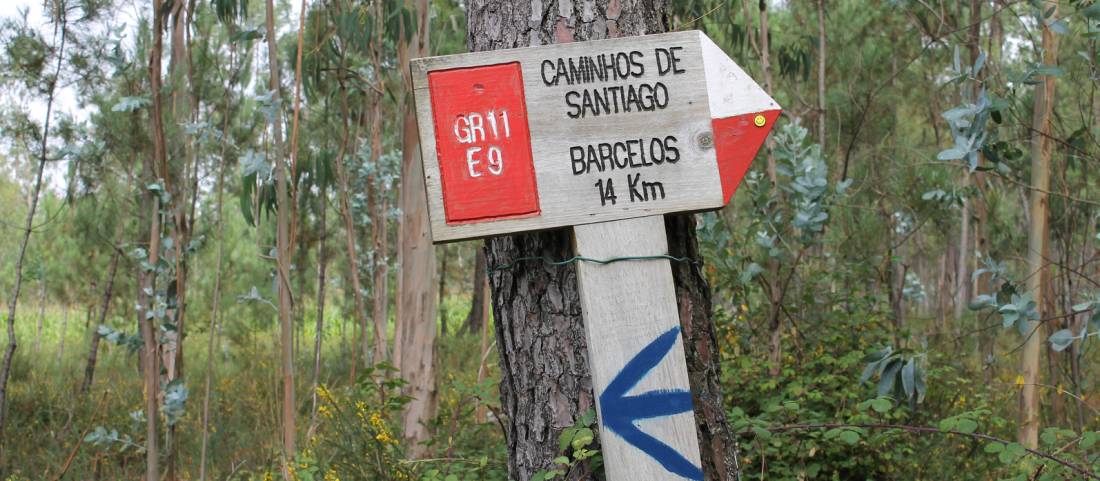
(736, 141)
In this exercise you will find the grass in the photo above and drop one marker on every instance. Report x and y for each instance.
(48, 418)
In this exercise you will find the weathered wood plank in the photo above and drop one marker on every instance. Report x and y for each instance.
(633, 333)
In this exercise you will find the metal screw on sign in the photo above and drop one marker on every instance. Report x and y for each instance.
(605, 137)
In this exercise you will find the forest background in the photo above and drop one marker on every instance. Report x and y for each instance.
(214, 263)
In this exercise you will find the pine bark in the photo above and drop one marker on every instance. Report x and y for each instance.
(546, 383)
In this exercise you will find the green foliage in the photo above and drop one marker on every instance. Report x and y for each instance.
(899, 376)
(576, 445)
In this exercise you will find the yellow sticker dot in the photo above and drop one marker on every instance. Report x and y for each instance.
(759, 120)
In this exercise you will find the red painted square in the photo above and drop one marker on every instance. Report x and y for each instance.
(483, 143)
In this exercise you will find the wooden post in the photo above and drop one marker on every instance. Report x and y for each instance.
(635, 352)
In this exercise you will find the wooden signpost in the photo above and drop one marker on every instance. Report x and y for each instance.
(606, 137)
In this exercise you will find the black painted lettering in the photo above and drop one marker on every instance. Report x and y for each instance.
(607, 191)
(637, 68)
(563, 72)
(660, 96)
(576, 157)
(594, 159)
(571, 101)
(616, 157)
(656, 151)
(673, 151)
(676, 60)
(664, 63)
(545, 80)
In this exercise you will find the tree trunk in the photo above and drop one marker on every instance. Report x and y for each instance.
(822, 121)
(479, 308)
(983, 283)
(93, 350)
(28, 224)
(61, 336)
(442, 292)
(379, 263)
(215, 304)
(775, 319)
(41, 313)
(155, 171)
(322, 269)
(283, 249)
(941, 297)
(546, 383)
(962, 266)
(343, 190)
(176, 182)
(414, 350)
(1041, 147)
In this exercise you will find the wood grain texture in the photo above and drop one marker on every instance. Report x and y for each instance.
(690, 184)
(626, 306)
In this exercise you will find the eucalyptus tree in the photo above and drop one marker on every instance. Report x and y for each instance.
(1037, 249)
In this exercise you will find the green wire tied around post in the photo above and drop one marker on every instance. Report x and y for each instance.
(574, 259)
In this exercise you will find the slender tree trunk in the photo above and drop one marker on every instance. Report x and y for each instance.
(93, 350)
(283, 250)
(442, 292)
(822, 121)
(414, 350)
(322, 268)
(215, 304)
(28, 225)
(983, 283)
(41, 313)
(479, 307)
(775, 319)
(1041, 147)
(546, 383)
(380, 289)
(962, 266)
(176, 182)
(941, 296)
(349, 232)
(481, 415)
(156, 170)
(966, 246)
(61, 336)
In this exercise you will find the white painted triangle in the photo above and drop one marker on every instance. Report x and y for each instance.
(731, 91)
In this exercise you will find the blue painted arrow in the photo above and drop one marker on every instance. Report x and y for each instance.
(620, 412)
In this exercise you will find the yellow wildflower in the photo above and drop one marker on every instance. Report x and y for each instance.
(384, 438)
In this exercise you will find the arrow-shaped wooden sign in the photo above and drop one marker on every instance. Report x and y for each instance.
(604, 136)
(569, 134)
